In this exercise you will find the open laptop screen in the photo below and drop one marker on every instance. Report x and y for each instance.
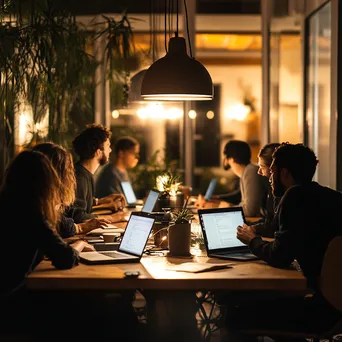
(220, 228)
(128, 192)
(150, 201)
(136, 234)
(210, 189)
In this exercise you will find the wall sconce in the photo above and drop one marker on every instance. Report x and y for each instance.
(238, 112)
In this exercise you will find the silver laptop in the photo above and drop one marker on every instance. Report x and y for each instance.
(219, 232)
(129, 194)
(151, 201)
(132, 244)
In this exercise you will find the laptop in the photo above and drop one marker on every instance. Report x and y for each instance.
(129, 194)
(150, 202)
(219, 227)
(210, 190)
(131, 246)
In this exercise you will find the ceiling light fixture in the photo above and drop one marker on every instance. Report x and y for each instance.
(177, 76)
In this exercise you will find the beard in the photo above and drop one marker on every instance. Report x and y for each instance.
(103, 160)
(278, 189)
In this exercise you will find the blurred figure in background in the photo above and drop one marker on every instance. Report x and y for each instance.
(108, 178)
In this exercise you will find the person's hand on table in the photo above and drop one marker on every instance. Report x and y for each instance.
(82, 246)
(94, 223)
(245, 234)
(224, 204)
(119, 217)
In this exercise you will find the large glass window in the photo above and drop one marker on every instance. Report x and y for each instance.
(285, 81)
(318, 90)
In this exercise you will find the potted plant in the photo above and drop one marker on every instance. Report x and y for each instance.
(180, 233)
(170, 197)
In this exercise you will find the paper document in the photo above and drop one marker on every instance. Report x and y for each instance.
(198, 267)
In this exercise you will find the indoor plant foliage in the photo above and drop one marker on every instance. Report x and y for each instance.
(46, 62)
(181, 216)
(180, 233)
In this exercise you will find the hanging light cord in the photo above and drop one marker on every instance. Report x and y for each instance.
(165, 25)
(177, 18)
(187, 27)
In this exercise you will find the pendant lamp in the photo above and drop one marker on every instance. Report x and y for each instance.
(134, 94)
(177, 76)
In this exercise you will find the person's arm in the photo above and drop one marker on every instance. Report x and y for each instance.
(51, 244)
(78, 214)
(282, 251)
(66, 227)
(254, 194)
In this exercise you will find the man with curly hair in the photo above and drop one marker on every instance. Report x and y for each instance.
(92, 146)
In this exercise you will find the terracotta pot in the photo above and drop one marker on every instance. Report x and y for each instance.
(179, 239)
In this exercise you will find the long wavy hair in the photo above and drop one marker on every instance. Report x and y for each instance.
(62, 161)
(32, 181)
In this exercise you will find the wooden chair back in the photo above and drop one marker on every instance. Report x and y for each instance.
(331, 274)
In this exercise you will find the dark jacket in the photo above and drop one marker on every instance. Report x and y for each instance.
(108, 180)
(309, 218)
(27, 239)
(84, 193)
(269, 224)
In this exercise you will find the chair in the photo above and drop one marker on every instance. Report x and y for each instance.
(331, 288)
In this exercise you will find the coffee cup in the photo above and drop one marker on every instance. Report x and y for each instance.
(110, 237)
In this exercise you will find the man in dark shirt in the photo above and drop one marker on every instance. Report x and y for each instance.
(93, 148)
(308, 216)
(108, 178)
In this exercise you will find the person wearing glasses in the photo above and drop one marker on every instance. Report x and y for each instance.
(109, 177)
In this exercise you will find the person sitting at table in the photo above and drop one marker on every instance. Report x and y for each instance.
(30, 230)
(268, 225)
(62, 161)
(29, 235)
(253, 187)
(108, 178)
(92, 146)
(309, 218)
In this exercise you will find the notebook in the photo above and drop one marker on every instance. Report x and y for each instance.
(131, 246)
(219, 227)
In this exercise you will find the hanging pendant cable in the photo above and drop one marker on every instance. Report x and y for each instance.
(177, 9)
(165, 26)
(187, 27)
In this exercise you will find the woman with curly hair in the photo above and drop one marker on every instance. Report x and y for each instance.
(62, 161)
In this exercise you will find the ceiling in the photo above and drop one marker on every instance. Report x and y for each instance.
(144, 6)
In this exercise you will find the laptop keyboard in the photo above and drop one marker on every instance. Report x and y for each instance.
(114, 255)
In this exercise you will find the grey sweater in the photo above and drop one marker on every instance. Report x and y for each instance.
(254, 190)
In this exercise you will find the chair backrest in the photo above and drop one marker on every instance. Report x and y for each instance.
(331, 274)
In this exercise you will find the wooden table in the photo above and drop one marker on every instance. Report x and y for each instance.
(154, 275)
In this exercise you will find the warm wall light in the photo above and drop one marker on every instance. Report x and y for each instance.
(115, 114)
(192, 114)
(158, 111)
(210, 115)
(238, 112)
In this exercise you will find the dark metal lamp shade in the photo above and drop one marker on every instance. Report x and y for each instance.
(134, 94)
(177, 77)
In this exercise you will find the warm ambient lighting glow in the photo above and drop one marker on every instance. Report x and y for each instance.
(157, 111)
(238, 112)
(192, 114)
(115, 114)
(210, 115)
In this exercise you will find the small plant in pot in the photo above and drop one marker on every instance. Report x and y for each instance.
(180, 233)
(168, 184)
